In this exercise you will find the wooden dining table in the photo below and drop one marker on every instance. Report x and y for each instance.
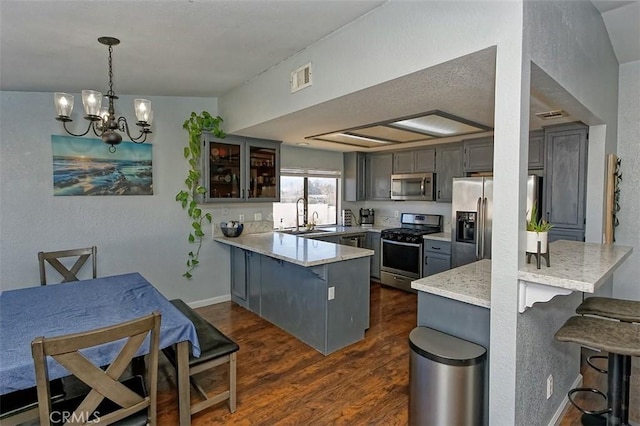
(74, 307)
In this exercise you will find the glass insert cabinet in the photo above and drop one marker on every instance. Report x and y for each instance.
(240, 169)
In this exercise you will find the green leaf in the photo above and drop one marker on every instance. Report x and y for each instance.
(187, 275)
(187, 152)
(208, 217)
(196, 225)
(199, 233)
(192, 238)
(195, 262)
(197, 213)
(191, 254)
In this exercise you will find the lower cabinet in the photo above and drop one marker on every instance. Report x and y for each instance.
(372, 242)
(325, 306)
(437, 257)
(245, 279)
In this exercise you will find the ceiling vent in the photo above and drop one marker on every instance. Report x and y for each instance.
(550, 115)
(301, 78)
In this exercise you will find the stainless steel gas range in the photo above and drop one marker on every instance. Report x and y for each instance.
(402, 256)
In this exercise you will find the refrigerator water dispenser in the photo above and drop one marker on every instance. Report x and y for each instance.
(466, 227)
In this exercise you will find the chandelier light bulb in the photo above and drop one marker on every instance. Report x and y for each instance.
(143, 109)
(92, 102)
(64, 104)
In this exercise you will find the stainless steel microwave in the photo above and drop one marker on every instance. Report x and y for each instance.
(412, 186)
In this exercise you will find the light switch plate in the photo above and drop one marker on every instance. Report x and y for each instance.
(257, 217)
(241, 218)
(332, 293)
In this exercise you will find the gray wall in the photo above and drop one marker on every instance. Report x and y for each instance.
(626, 283)
(133, 233)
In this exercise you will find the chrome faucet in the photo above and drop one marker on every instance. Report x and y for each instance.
(314, 217)
(304, 215)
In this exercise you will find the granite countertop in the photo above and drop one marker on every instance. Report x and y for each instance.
(576, 265)
(468, 283)
(294, 249)
(440, 236)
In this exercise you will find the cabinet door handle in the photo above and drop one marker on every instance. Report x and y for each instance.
(435, 248)
(438, 195)
(243, 193)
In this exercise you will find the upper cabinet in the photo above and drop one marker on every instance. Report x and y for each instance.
(418, 161)
(566, 176)
(478, 155)
(354, 176)
(240, 169)
(448, 166)
(379, 169)
(536, 149)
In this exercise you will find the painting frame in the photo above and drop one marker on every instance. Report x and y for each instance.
(84, 166)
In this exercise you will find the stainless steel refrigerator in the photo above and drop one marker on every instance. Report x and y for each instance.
(472, 216)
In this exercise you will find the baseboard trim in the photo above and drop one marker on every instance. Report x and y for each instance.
(207, 302)
(564, 406)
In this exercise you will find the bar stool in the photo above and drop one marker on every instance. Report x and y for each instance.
(608, 307)
(622, 341)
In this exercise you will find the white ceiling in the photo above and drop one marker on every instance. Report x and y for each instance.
(207, 47)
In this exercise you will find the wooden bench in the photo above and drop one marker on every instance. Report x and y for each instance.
(215, 349)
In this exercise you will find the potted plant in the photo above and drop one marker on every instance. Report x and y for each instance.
(195, 125)
(537, 230)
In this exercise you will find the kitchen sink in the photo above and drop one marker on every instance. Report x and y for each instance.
(303, 231)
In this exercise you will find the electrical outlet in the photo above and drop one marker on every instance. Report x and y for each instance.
(332, 293)
(257, 217)
(549, 386)
(241, 218)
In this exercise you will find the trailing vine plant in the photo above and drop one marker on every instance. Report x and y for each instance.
(195, 125)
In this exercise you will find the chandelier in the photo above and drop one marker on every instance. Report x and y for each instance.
(102, 120)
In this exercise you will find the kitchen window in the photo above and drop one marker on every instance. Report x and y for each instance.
(318, 189)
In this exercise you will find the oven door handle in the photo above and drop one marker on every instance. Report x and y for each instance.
(398, 243)
(422, 186)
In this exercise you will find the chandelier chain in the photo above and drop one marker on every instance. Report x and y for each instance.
(110, 93)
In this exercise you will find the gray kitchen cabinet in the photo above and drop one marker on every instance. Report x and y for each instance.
(245, 278)
(448, 166)
(329, 239)
(566, 173)
(417, 161)
(536, 149)
(556, 234)
(478, 155)
(240, 169)
(372, 242)
(379, 170)
(296, 299)
(354, 178)
(437, 257)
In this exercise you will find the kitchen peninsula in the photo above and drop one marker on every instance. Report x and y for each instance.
(458, 302)
(318, 291)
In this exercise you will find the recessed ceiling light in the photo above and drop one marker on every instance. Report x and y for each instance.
(362, 138)
(437, 125)
(416, 128)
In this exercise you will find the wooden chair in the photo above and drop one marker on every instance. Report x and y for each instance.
(52, 257)
(109, 400)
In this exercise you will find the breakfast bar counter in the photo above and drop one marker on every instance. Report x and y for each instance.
(315, 290)
(294, 249)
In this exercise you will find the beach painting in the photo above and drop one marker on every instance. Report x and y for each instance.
(84, 166)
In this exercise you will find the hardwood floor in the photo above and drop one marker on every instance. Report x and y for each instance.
(282, 381)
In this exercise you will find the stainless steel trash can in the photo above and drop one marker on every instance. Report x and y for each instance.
(446, 379)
